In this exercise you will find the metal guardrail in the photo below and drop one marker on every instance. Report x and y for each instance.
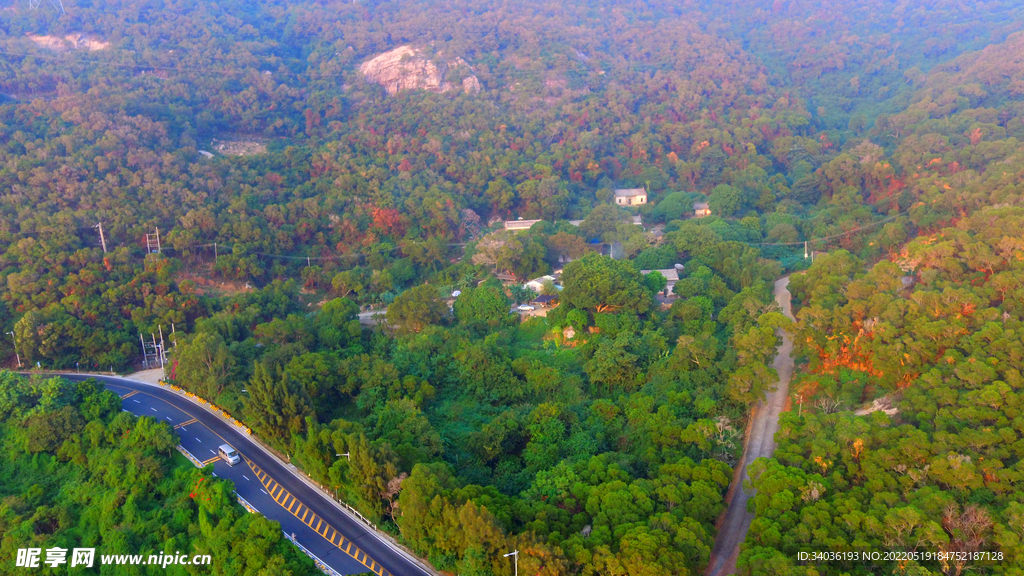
(245, 504)
(189, 455)
(213, 407)
(356, 512)
(316, 560)
(319, 563)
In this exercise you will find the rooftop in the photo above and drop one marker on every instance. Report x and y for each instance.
(519, 224)
(670, 274)
(630, 192)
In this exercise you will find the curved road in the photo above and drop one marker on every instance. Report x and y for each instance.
(760, 444)
(270, 486)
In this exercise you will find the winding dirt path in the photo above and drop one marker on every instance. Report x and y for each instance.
(760, 443)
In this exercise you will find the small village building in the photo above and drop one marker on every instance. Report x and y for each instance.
(537, 284)
(631, 196)
(545, 301)
(701, 209)
(504, 276)
(637, 219)
(670, 274)
(519, 224)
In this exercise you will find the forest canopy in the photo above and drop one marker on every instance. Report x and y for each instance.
(328, 260)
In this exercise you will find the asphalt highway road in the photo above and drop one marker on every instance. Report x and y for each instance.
(344, 544)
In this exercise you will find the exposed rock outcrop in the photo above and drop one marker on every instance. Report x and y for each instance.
(73, 41)
(406, 68)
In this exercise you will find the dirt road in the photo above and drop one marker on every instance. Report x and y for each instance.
(760, 443)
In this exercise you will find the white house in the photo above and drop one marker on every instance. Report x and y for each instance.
(701, 209)
(670, 274)
(631, 197)
(519, 224)
(537, 284)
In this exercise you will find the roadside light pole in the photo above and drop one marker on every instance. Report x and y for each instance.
(16, 355)
(515, 558)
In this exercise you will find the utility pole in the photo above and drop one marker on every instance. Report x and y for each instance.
(163, 354)
(515, 556)
(159, 353)
(103, 240)
(214, 252)
(16, 355)
(805, 250)
(174, 336)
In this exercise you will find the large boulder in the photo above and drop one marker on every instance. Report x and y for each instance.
(407, 68)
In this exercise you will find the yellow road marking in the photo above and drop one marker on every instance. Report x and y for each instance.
(130, 394)
(192, 421)
(309, 518)
(205, 462)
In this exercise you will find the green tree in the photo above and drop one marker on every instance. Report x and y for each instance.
(483, 308)
(276, 407)
(599, 284)
(655, 282)
(415, 309)
(725, 200)
(203, 364)
(603, 222)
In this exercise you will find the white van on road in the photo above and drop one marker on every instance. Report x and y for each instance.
(228, 454)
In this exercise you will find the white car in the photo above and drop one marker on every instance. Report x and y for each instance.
(525, 308)
(228, 454)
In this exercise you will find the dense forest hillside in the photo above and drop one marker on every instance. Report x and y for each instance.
(301, 163)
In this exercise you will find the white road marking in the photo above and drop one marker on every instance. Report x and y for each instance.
(246, 477)
(136, 401)
(153, 409)
(198, 440)
(212, 452)
(264, 491)
(169, 418)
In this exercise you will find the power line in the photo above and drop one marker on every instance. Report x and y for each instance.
(824, 238)
(180, 69)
